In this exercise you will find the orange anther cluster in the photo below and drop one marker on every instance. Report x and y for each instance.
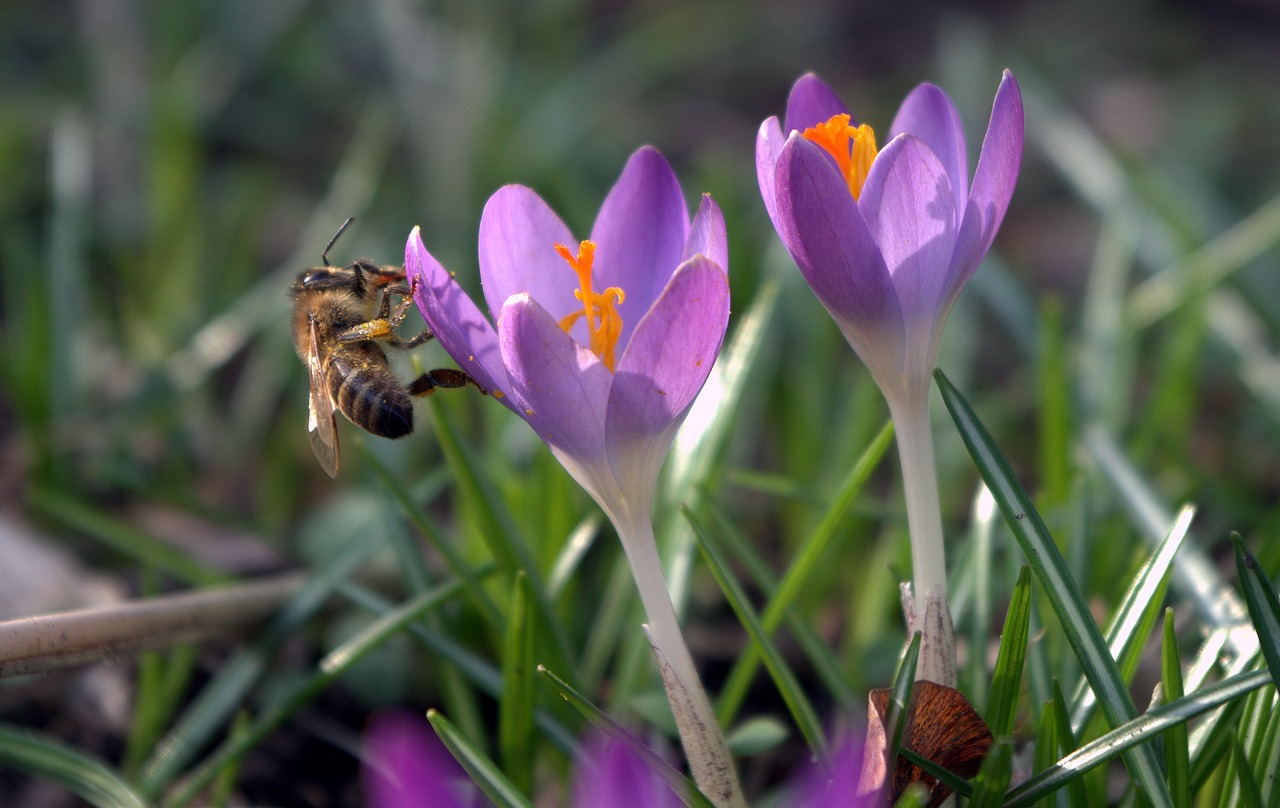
(853, 147)
(604, 324)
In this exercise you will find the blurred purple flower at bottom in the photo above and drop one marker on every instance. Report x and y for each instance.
(610, 773)
(406, 766)
(839, 786)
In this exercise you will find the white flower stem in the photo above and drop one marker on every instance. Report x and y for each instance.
(704, 743)
(926, 603)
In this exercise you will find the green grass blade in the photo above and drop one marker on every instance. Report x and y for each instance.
(1196, 576)
(1077, 789)
(1055, 581)
(1264, 607)
(515, 710)
(1006, 682)
(1248, 795)
(993, 778)
(789, 688)
(1216, 744)
(417, 516)
(825, 664)
(477, 671)
(955, 782)
(1046, 747)
(91, 779)
(498, 527)
(125, 539)
(1132, 733)
(483, 771)
(210, 711)
(334, 664)
(1176, 754)
(896, 718)
(799, 574)
(683, 786)
(1134, 621)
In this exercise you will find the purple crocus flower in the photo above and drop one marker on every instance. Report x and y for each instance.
(601, 347)
(887, 239)
(610, 772)
(606, 380)
(406, 766)
(889, 257)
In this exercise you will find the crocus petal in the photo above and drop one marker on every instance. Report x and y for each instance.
(406, 765)
(811, 102)
(666, 364)
(563, 385)
(640, 234)
(707, 235)
(769, 143)
(518, 234)
(835, 785)
(453, 318)
(612, 775)
(907, 204)
(993, 183)
(929, 114)
(830, 243)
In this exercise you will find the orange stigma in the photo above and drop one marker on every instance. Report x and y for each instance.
(604, 324)
(854, 148)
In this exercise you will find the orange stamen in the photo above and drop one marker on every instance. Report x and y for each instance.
(853, 147)
(604, 324)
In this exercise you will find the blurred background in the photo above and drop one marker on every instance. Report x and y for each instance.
(167, 168)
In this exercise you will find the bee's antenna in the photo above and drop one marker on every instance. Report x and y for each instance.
(324, 256)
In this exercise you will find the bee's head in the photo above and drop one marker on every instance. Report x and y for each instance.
(321, 278)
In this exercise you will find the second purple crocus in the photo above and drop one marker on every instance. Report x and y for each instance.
(602, 346)
(887, 238)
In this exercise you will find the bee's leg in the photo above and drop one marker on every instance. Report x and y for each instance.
(384, 326)
(396, 342)
(450, 378)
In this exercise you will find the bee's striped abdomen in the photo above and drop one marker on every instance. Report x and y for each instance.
(368, 393)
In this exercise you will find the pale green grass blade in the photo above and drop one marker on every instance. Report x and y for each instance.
(789, 687)
(1207, 267)
(1077, 789)
(1050, 568)
(681, 785)
(1176, 754)
(477, 671)
(1248, 795)
(515, 709)
(815, 647)
(1264, 607)
(125, 539)
(1133, 622)
(1006, 682)
(91, 779)
(498, 527)
(757, 735)
(483, 771)
(1195, 576)
(798, 575)
(1132, 733)
(447, 547)
(1046, 747)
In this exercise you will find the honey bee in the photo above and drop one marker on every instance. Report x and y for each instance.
(340, 341)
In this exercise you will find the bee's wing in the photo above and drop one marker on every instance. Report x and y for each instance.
(322, 426)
